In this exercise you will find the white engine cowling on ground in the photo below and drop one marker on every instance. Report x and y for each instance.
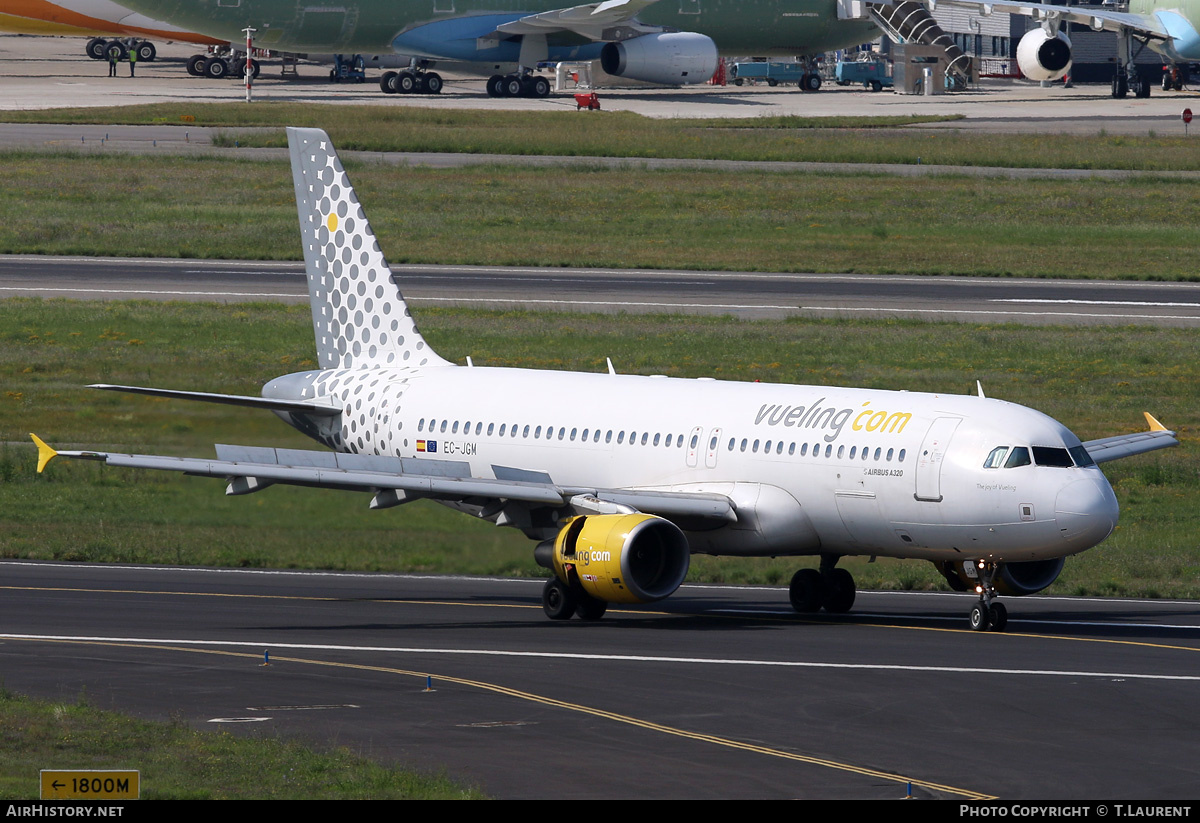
(1043, 56)
(674, 58)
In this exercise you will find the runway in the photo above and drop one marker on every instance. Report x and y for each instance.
(742, 294)
(719, 692)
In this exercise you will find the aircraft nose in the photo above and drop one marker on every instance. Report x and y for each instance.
(1086, 511)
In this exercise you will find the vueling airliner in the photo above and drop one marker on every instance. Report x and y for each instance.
(620, 478)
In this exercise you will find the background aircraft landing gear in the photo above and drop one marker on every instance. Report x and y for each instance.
(831, 588)
(516, 85)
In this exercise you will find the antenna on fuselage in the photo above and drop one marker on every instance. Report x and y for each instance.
(611, 370)
(979, 388)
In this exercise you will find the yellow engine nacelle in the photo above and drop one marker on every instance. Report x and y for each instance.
(622, 558)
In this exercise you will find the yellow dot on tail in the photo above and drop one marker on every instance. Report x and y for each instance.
(332, 222)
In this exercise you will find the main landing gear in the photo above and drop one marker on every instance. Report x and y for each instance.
(988, 614)
(560, 601)
(518, 85)
(830, 588)
(411, 81)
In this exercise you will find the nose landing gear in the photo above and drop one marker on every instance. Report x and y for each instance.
(988, 614)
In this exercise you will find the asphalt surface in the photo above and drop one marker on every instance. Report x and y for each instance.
(743, 294)
(719, 692)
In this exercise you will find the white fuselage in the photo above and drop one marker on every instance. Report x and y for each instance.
(811, 469)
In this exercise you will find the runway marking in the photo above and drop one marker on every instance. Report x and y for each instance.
(1096, 302)
(622, 658)
(154, 291)
(949, 619)
(547, 701)
(895, 310)
(786, 616)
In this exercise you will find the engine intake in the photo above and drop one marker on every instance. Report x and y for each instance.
(622, 558)
(1013, 579)
(1043, 56)
(674, 58)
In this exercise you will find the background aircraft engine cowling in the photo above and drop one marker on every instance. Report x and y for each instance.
(1043, 56)
(1013, 579)
(675, 58)
(623, 558)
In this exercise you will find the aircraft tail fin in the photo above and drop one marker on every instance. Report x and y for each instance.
(360, 319)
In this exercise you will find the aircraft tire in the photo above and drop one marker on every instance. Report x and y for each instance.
(406, 82)
(558, 601)
(96, 48)
(1142, 88)
(811, 82)
(806, 591)
(216, 68)
(433, 83)
(493, 85)
(839, 591)
(590, 608)
(387, 82)
(980, 617)
(1166, 81)
(999, 617)
(541, 87)
(119, 48)
(512, 86)
(1119, 87)
(195, 65)
(146, 51)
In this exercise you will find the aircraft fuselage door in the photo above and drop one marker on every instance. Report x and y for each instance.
(693, 446)
(713, 446)
(929, 461)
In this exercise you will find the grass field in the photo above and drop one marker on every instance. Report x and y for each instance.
(177, 763)
(122, 205)
(623, 134)
(1096, 380)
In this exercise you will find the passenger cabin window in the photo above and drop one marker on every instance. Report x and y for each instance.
(1018, 457)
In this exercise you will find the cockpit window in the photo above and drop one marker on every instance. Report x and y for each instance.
(1081, 456)
(996, 459)
(1018, 457)
(1047, 456)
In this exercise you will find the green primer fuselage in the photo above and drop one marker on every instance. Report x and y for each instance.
(739, 27)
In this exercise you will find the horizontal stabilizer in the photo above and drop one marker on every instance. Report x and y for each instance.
(317, 408)
(1127, 445)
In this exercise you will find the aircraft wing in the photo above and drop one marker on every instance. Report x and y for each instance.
(395, 480)
(1127, 445)
(590, 20)
(1148, 25)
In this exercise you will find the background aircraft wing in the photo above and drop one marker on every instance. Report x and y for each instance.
(1147, 25)
(395, 480)
(590, 20)
(1127, 445)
